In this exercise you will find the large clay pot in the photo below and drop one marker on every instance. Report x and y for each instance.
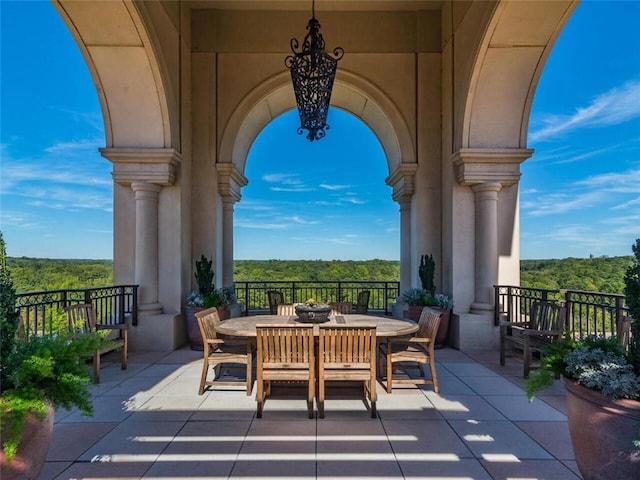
(193, 331)
(602, 433)
(414, 312)
(32, 449)
(443, 329)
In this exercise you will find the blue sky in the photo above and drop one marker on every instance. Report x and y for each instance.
(580, 192)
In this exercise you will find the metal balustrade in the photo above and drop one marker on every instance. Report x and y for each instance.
(43, 312)
(254, 294)
(588, 313)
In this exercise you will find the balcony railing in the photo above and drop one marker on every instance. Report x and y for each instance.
(588, 313)
(254, 294)
(43, 312)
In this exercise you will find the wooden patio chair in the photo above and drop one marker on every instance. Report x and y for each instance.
(285, 352)
(340, 308)
(82, 319)
(286, 309)
(275, 298)
(347, 353)
(545, 325)
(362, 304)
(412, 352)
(219, 352)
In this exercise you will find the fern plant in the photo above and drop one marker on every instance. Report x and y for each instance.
(39, 370)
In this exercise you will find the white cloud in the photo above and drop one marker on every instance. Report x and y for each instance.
(616, 106)
(560, 203)
(613, 182)
(334, 187)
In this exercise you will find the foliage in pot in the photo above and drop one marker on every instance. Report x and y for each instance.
(204, 276)
(603, 393)
(427, 272)
(38, 371)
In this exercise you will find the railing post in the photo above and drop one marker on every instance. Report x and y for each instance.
(619, 310)
(293, 292)
(568, 304)
(339, 292)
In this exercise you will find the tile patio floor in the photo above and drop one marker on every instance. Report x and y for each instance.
(149, 422)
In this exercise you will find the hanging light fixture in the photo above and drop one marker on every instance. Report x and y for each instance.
(312, 74)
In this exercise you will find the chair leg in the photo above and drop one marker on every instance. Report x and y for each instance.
(259, 397)
(502, 352)
(203, 377)
(389, 374)
(96, 367)
(125, 352)
(249, 376)
(434, 377)
(321, 393)
(526, 353)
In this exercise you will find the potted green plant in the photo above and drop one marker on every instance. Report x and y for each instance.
(204, 276)
(38, 373)
(602, 382)
(417, 299)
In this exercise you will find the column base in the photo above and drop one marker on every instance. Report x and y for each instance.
(472, 332)
(481, 308)
(158, 333)
(150, 309)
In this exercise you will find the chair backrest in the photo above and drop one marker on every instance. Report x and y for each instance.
(286, 309)
(428, 324)
(341, 308)
(275, 298)
(81, 318)
(547, 316)
(285, 346)
(347, 347)
(362, 306)
(208, 320)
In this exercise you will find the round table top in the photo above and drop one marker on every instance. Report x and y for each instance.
(385, 326)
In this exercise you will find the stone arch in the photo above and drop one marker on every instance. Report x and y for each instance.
(511, 54)
(125, 62)
(350, 92)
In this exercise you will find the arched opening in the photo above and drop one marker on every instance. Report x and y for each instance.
(321, 200)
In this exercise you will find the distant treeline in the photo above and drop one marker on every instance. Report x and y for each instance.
(602, 274)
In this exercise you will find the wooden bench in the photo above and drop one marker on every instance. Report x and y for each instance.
(545, 325)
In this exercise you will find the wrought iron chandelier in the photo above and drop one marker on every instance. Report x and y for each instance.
(312, 73)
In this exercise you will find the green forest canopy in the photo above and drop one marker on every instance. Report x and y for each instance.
(601, 274)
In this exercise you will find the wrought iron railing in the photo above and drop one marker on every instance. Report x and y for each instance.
(587, 312)
(43, 312)
(254, 294)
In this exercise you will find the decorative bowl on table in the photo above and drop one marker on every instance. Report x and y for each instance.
(312, 312)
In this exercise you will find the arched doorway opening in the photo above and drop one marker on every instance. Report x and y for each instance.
(322, 200)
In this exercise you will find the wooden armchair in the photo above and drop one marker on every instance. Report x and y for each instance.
(82, 318)
(362, 305)
(286, 309)
(413, 352)
(545, 325)
(340, 308)
(285, 352)
(275, 298)
(218, 352)
(347, 353)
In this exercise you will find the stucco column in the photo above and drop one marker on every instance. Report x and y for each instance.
(486, 242)
(405, 244)
(146, 246)
(227, 242)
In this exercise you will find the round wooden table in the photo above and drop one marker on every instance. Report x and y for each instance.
(385, 326)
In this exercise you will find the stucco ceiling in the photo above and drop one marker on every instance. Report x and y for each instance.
(321, 5)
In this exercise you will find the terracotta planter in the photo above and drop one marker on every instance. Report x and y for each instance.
(32, 450)
(602, 433)
(224, 312)
(195, 338)
(413, 312)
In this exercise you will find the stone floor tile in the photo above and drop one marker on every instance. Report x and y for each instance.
(468, 407)
(165, 408)
(132, 442)
(122, 468)
(519, 408)
(361, 466)
(351, 437)
(553, 436)
(70, 440)
(105, 409)
(538, 469)
(498, 441)
(492, 386)
(440, 467)
(467, 369)
(426, 439)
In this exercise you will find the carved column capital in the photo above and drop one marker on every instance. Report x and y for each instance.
(230, 182)
(489, 165)
(402, 180)
(153, 165)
